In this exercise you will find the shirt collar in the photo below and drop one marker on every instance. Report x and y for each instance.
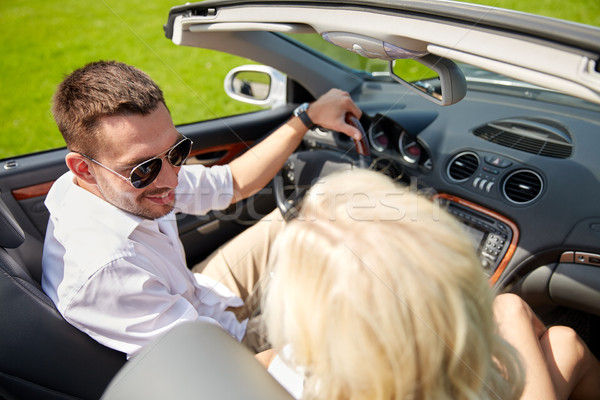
(69, 201)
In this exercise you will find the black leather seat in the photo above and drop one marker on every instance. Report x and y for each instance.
(41, 355)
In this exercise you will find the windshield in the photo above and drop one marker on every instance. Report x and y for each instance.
(477, 78)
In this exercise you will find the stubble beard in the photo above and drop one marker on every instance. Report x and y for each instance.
(133, 204)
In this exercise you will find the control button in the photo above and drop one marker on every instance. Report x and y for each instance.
(290, 176)
(497, 161)
(491, 170)
(482, 183)
(489, 186)
(587, 258)
(476, 181)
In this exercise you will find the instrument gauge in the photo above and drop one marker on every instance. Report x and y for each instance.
(378, 139)
(410, 149)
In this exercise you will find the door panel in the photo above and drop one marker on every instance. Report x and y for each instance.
(24, 183)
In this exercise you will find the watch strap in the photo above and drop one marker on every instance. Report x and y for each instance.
(301, 113)
(306, 120)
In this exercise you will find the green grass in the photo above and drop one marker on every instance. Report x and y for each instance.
(43, 40)
(584, 11)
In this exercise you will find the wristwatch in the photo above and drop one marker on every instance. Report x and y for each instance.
(300, 112)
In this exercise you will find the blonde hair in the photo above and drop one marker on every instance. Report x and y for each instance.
(380, 295)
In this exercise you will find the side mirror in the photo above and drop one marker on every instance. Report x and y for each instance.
(256, 84)
(435, 78)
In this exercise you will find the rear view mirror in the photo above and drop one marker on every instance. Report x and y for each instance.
(435, 78)
(256, 84)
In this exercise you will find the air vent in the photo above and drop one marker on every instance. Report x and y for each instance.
(523, 186)
(539, 136)
(463, 166)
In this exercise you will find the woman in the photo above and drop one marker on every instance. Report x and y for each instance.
(376, 293)
(557, 361)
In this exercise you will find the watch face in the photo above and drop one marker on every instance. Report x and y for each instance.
(300, 109)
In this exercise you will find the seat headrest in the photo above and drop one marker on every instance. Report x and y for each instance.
(11, 234)
(196, 359)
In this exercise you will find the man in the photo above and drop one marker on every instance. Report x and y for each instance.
(113, 263)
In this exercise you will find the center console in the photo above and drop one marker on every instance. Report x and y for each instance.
(494, 237)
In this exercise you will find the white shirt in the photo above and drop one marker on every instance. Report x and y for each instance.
(288, 376)
(123, 279)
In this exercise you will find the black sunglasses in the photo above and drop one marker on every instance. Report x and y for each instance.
(145, 173)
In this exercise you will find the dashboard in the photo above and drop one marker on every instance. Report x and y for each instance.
(522, 175)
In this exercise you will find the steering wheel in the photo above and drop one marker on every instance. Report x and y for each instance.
(303, 168)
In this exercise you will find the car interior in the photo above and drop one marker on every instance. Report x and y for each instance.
(43, 356)
(515, 162)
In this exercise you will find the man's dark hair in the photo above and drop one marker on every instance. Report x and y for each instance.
(99, 89)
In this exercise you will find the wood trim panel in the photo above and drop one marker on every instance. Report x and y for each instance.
(30, 192)
(231, 151)
(512, 247)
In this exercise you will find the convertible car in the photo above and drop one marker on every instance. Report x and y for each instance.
(494, 112)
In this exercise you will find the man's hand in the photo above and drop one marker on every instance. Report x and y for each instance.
(255, 168)
(329, 111)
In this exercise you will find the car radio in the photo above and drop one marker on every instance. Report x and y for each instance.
(491, 236)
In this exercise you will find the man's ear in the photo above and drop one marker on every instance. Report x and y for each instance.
(80, 167)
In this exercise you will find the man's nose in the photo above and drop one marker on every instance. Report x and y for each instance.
(168, 176)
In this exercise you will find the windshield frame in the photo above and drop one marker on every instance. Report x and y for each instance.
(477, 78)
